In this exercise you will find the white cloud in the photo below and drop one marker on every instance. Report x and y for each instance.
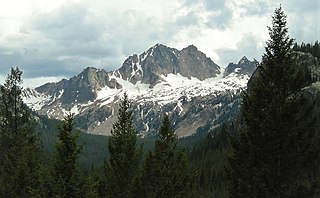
(34, 82)
(2, 78)
(61, 37)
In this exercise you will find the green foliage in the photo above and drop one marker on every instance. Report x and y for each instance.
(92, 155)
(313, 65)
(65, 175)
(313, 49)
(209, 156)
(122, 169)
(166, 172)
(19, 143)
(277, 138)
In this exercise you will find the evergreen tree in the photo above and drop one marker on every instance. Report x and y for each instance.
(312, 65)
(65, 173)
(19, 143)
(122, 169)
(313, 49)
(166, 169)
(277, 138)
(210, 155)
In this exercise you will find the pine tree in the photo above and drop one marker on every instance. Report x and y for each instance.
(19, 143)
(122, 169)
(166, 169)
(277, 138)
(210, 155)
(66, 173)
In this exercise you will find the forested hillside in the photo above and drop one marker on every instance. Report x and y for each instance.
(312, 48)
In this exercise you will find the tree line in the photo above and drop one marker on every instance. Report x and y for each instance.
(313, 62)
(312, 48)
(164, 172)
(273, 148)
(277, 150)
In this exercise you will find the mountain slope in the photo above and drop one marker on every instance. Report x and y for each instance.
(195, 91)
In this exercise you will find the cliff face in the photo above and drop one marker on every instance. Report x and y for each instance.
(161, 60)
(244, 67)
(186, 84)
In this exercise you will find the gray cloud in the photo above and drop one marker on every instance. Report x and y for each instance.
(70, 24)
(33, 66)
(215, 4)
(70, 38)
(190, 2)
(222, 20)
(64, 41)
(259, 7)
(191, 18)
(223, 14)
(303, 20)
(248, 46)
(72, 31)
(60, 42)
(301, 6)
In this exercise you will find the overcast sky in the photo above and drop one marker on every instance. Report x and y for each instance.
(54, 39)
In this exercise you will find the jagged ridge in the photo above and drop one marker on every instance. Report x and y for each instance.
(162, 79)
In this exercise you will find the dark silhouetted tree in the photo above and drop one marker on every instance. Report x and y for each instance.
(278, 136)
(122, 169)
(19, 142)
(166, 171)
(66, 174)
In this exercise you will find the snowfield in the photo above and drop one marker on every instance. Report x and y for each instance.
(171, 89)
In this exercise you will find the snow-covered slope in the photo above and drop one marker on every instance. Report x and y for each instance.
(173, 87)
(189, 97)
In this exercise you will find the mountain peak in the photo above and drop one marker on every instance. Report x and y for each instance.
(244, 67)
(190, 48)
(159, 80)
(161, 60)
(158, 46)
(243, 60)
(89, 68)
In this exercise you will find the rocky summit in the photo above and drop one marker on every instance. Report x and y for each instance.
(186, 84)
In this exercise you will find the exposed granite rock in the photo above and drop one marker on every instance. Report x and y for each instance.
(194, 108)
(244, 66)
(162, 60)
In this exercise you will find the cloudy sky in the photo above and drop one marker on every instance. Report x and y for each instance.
(50, 40)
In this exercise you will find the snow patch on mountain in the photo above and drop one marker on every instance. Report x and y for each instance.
(169, 90)
(34, 99)
(172, 88)
(185, 83)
